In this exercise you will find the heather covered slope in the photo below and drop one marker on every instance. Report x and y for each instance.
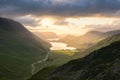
(19, 48)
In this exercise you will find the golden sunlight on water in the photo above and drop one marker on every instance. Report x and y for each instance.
(60, 46)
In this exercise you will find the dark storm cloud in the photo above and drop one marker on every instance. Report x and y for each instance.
(62, 8)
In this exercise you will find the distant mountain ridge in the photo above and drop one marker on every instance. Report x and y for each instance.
(88, 39)
(102, 43)
(114, 32)
(84, 41)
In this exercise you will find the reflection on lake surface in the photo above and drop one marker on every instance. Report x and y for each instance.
(60, 46)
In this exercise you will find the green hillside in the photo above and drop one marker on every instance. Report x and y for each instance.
(19, 48)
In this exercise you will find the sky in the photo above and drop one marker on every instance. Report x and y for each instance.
(63, 16)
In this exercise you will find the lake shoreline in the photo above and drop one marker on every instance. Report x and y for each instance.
(60, 46)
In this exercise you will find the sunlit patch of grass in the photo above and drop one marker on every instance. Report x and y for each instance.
(65, 52)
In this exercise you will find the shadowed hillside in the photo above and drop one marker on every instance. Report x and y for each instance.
(19, 48)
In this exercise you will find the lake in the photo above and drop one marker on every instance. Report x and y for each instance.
(60, 46)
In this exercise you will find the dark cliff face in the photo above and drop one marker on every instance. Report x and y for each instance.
(102, 64)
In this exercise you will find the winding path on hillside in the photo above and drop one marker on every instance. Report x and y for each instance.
(39, 62)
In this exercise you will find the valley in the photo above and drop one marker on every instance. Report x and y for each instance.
(36, 58)
(61, 56)
(56, 60)
(59, 39)
(96, 65)
(58, 55)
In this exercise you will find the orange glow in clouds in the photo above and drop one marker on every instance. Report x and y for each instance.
(73, 26)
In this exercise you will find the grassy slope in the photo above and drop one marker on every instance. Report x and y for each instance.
(19, 48)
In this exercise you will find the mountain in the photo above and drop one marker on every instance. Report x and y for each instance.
(101, 62)
(82, 42)
(99, 45)
(87, 40)
(19, 48)
(47, 35)
(114, 32)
